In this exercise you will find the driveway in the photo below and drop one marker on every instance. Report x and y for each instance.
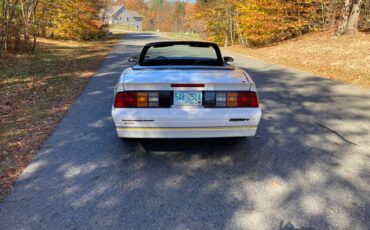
(309, 166)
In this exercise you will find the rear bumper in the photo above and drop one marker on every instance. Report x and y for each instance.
(186, 122)
(204, 132)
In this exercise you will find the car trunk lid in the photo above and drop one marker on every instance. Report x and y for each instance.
(197, 79)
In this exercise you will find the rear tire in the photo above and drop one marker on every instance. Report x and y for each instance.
(239, 139)
(129, 140)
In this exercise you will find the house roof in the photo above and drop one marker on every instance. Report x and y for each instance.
(134, 13)
(115, 10)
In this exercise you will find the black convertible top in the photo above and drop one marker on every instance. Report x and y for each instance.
(219, 60)
(191, 43)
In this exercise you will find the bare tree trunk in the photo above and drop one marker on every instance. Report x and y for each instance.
(226, 43)
(353, 18)
(3, 19)
(9, 18)
(34, 43)
(36, 29)
(238, 29)
(28, 13)
(349, 21)
(344, 18)
(331, 14)
(24, 7)
(6, 26)
(230, 22)
(323, 14)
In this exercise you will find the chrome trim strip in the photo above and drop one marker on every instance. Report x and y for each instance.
(185, 128)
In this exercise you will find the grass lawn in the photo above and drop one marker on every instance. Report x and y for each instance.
(342, 58)
(183, 36)
(117, 28)
(35, 92)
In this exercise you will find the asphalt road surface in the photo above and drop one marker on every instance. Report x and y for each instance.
(308, 168)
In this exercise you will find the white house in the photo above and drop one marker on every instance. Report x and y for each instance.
(114, 15)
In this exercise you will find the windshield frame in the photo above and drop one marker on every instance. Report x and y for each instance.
(219, 59)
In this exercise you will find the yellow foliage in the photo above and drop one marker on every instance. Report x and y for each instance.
(75, 20)
(258, 22)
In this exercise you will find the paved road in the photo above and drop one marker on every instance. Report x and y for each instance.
(309, 167)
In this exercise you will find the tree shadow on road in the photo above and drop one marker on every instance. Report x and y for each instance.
(294, 175)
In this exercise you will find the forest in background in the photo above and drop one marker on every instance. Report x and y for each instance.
(253, 22)
(250, 23)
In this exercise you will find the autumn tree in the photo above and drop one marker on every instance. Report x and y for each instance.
(193, 21)
(74, 20)
(179, 15)
(18, 22)
(9, 13)
(22, 21)
(256, 23)
(215, 15)
(159, 15)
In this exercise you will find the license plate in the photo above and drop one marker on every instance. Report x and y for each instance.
(187, 98)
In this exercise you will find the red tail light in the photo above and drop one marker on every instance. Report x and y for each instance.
(134, 99)
(247, 99)
(125, 100)
(239, 99)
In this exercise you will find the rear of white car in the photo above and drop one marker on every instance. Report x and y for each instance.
(183, 102)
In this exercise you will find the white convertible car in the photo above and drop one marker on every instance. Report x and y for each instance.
(184, 90)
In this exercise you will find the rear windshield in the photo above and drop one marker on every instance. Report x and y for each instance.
(181, 51)
(180, 54)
